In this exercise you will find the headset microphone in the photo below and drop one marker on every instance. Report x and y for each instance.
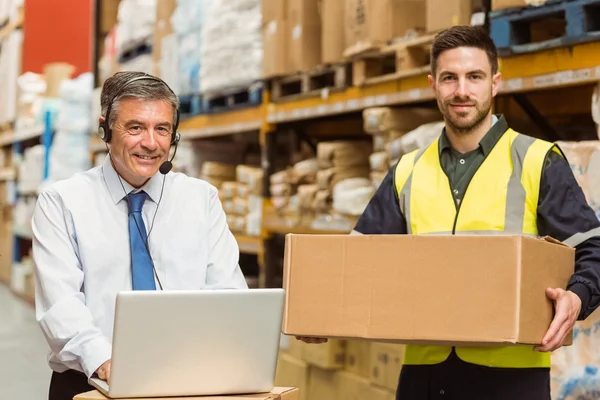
(166, 166)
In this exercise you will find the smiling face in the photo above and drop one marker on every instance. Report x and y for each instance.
(141, 138)
(464, 87)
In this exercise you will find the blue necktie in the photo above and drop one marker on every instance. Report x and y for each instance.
(142, 271)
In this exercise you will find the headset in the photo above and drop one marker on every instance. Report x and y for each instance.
(105, 133)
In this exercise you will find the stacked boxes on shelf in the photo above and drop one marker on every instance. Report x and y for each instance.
(242, 200)
(341, 369)
(390, 129)
(570, 364)
(343, 184)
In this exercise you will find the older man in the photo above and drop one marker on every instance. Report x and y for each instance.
(123, 226)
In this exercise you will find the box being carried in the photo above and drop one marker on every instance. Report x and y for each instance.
(441, 290)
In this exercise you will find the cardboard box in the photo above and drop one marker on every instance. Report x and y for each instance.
(304, 41)
(278, 393)
(358, 357)
(472, 290)
(322, 384)
(293, 372)
(352, 387)
(330, 355)
(455, 12)
(502, 4)
(370, 23)
(275, 35)
(386, 364)
(333, 40)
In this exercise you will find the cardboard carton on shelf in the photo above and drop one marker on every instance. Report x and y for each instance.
(386, 363)
(278, 393)
(330, 355)
(469, 291)
(358, 357)
(372, 23)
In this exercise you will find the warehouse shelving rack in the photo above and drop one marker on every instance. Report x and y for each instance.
(552, 69)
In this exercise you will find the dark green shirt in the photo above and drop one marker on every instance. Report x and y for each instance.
(460, 167)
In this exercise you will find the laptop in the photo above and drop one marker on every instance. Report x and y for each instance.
(194, 343)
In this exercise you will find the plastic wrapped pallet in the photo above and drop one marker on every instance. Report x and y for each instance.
(135, 22)
(187, 20)
(232, 47)
(69, 152)
(343, 154)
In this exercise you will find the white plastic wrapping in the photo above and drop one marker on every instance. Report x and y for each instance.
(232, 48)
(135, 22)
(69, 153)
(31, 88)
(187, 20)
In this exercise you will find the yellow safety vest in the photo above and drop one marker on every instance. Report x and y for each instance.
(501, 198)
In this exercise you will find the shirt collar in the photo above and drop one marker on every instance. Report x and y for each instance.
(152, 188)
(487, 143)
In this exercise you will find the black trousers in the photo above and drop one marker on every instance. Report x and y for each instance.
(68, 384)
(455, 379)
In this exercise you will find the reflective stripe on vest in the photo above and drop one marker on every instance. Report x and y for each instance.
(501, 198)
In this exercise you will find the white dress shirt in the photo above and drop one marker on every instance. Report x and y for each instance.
(82, 255)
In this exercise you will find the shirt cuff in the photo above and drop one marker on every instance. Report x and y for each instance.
(583, 292)
(95, 353)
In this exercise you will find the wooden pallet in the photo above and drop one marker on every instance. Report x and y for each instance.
(232, 98)
(311, 83)
(394, 61)
(555, 24)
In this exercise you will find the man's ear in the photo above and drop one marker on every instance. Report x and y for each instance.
(496, 83)
(431, 80)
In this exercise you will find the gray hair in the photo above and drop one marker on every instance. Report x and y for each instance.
(142, 89)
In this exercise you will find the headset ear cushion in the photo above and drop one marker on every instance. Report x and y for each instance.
(103, 132)
(175, 139)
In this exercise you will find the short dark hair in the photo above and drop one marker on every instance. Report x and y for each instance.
(464, 36)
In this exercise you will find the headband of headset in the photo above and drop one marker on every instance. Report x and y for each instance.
(104, 129)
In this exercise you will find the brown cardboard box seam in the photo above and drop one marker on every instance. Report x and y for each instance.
(353, 299)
